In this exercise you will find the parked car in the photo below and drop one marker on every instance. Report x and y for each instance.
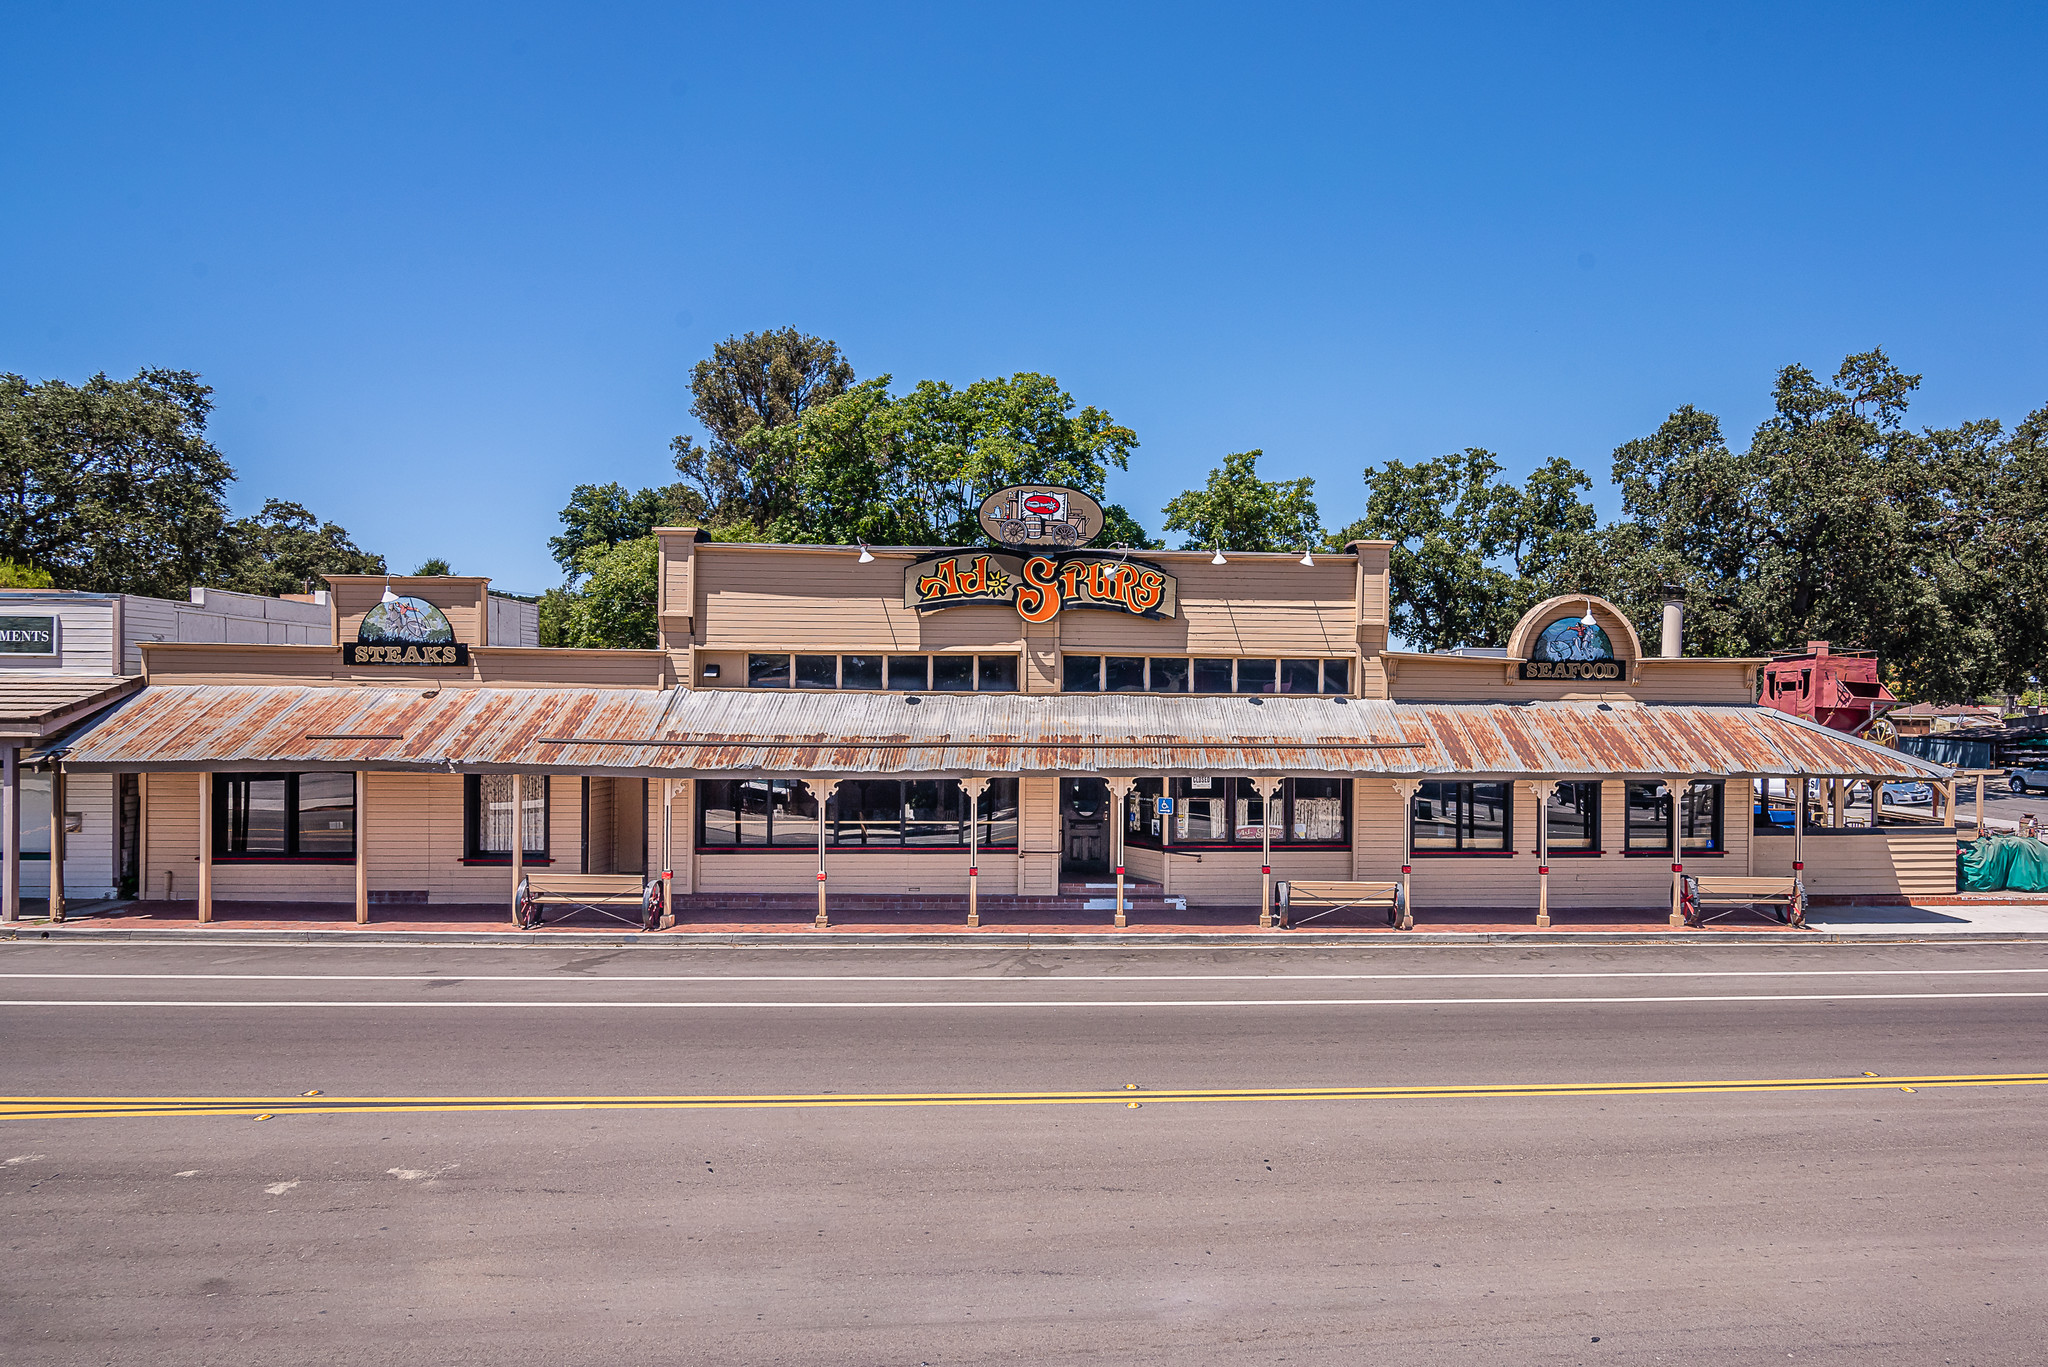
(2028, 780)
(1908, 794)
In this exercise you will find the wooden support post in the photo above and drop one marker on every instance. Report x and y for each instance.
(1268, 789)
(1799, 830)
(823, 788)
(668, 871)
(205, 847)
(1838, 801)
(1406, 789)
(10, 832)
(1120, 796)
(1542, 792)
(56, 843)
(362, 848)
(974, 788)
(1677, 788)
(1980, 806)
(519, 840)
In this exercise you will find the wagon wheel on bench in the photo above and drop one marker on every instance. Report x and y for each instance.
(650, 905)
(525, 910)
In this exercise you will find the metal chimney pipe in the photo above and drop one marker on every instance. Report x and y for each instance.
(1674, 622)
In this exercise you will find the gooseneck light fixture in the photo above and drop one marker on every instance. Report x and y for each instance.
(389, 596)
(1217, 559)
(1587, 620)
(1307, 559)
(865, 558)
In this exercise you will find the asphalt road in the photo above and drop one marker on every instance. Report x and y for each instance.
(1532, 1219)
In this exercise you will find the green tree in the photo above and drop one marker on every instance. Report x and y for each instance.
(434, 566)
(286, 549)
(602, 515)
(1472, 551)
(111, 485)
(616, 607)
(748, 387)
(913, 470)
(1237, 510)
(18, 576)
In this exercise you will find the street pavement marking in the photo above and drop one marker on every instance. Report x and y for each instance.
(1084, 1002)
(555, 978)
(136, 1107)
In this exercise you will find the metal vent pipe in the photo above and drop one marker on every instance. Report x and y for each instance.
(1674, 622)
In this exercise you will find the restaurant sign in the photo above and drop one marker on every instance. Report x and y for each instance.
(1041, 517)
(405, 631)
(28, 635)
(1572, 648)
(1040, 586)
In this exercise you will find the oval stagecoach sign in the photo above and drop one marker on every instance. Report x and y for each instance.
(1041, 516)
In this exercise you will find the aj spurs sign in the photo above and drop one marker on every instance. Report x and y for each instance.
(1056, 522)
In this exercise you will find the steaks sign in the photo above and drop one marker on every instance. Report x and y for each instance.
(1041, 586)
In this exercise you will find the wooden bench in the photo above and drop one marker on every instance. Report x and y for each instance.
(1294, 893)
(1698, 892)
(598, 892)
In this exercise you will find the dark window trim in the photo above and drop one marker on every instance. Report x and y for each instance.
(1720, 833)
(290, 855)
(471, 826)
(832, 845)
(1507, 823)
(1599, 801)
(1145, 840)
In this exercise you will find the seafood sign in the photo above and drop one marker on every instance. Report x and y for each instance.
(1041, 586)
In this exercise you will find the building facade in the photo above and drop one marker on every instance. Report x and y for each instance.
(1029, 721)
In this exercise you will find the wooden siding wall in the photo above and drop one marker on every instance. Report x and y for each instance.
(460, 598)
(603, 821)
(315, 665)
(85, 633)
(89, 854)
(1892, 862)
(1038, 836)
(412, 832)
(1461, 679)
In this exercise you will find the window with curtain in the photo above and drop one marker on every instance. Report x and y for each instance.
(1460, 818)
(278, 816)
(490, 821)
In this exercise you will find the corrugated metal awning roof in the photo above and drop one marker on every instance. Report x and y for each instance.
(33, 703)
(627, 731)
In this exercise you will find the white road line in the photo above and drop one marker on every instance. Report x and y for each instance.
(1004, 1005)
(598, 980)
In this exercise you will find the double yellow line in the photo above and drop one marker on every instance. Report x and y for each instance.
(277, 1107)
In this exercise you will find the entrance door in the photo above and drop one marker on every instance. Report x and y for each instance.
(1084, 825)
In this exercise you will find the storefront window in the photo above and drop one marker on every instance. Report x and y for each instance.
(1143, 824)
(1229, 811)
(488, 818)
(1252, 815)
(1255, 676)
(883, 813)
(996, 674)
(1336, 676)
(1649, 816)
(1572, 817)
(767, 671)
(1212, 676)
(1699, 817)
(1201, 811)
(952, 673)
(1169, 676)
(1461, 818)
(860, 671)
(1124, 674)
(1315, 809)
(909, 673)
(1300, 676)
(273, 816)
(817, 671)
(1081, 674)
(35, 815)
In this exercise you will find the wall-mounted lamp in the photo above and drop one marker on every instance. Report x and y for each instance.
(1307, 559)
(1587, 620)
(389, 596)
(1217, 559)
(865, 558)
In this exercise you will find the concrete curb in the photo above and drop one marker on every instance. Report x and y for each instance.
(828, 940)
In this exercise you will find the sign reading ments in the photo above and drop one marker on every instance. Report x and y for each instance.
(1041, 585)
(405, 631)
(28, 635)
(1571, 649)
(1041, 516)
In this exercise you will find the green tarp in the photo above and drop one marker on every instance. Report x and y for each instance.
(2003, 863)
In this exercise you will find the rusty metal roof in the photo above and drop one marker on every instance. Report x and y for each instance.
(636, 732)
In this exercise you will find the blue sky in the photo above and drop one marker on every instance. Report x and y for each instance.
(444, 262)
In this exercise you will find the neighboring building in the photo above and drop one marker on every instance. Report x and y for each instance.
(64, 655)
(1034, 720)
(1933, 719)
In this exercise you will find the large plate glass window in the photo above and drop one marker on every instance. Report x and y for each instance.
(1699, 818)
(882, 813)
(278, 816)
(996, 674)
(35, 814)
(489, 821)
(1572, 817)
(1461, 817)
(952, 673)
(1649, 816)
(767, 671)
